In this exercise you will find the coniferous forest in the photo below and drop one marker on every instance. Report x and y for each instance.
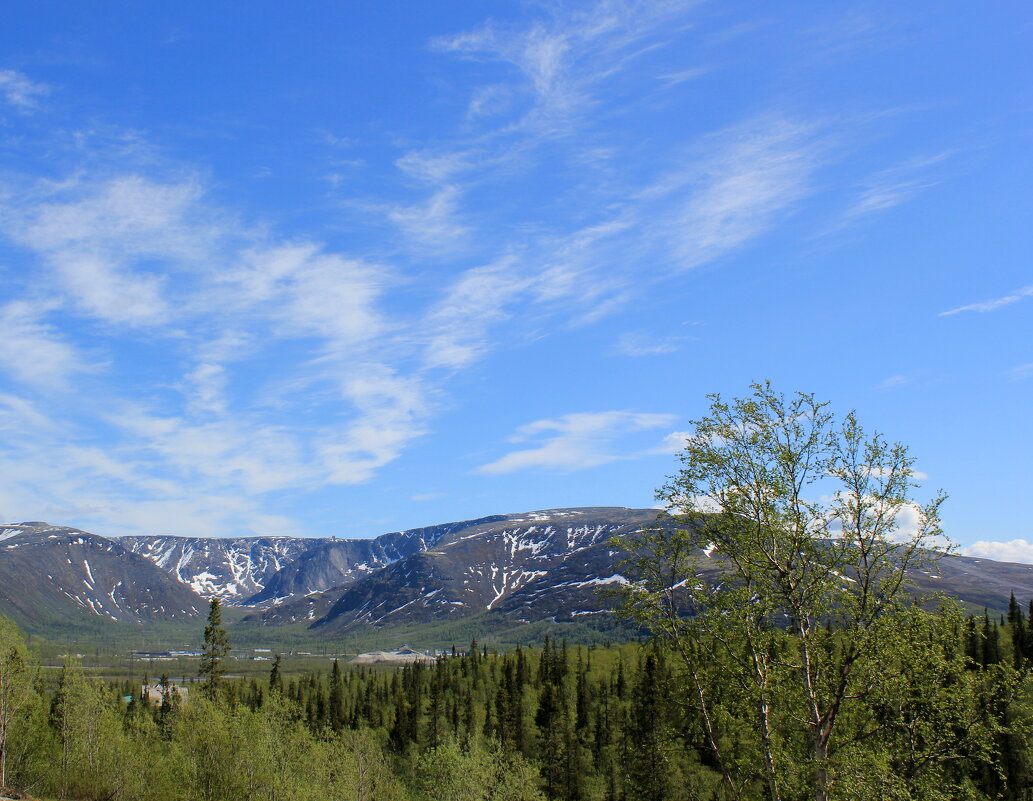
(557, 722)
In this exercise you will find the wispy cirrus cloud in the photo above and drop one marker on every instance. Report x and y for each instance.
(134, 252)
(574, 441)
(459, 324)
(893, 186)
(20, 91)
(563, 57)
(697, 201)
(708, 201)
(33, 351)
(637, 343)
(557, 69)
(747, 180)
(993, 304)
(96, 236)
(893, 382)
(1021, 372)
(54, 468)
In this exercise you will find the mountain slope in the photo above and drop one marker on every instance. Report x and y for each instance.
(230, 569)
(525, 567)
(337, 562)
(537, 566)
(551, 565)
(54, 573)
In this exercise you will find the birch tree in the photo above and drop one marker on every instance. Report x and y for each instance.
(14, 685)
(778, 565)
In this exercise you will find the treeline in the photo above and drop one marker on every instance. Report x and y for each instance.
(559, 722)
(83, 740)
(594, 723)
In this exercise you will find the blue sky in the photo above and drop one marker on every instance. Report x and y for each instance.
(349, 268)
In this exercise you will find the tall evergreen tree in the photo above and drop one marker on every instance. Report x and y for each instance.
(275, 679)
(1017, 628)
(216, 646)
(336, 698)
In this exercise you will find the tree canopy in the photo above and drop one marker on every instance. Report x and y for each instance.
(794, 640)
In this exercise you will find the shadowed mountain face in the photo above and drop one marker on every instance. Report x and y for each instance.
(520, 567)
(523, 567)
(552, 565)
(53, 573)
(338, 562)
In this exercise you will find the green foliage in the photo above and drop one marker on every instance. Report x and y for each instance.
(561, 722)
(790, 646)
(474, 774)
(14, 690)
(216, 646)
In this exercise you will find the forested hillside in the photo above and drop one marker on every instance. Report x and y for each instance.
(570, 723)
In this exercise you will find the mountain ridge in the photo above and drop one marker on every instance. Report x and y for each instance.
(60, 574)
(524, 567)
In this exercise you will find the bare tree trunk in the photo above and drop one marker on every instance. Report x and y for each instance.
(821, 769)
(764, 719)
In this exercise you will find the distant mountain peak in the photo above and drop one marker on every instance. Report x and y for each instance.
(547, 564)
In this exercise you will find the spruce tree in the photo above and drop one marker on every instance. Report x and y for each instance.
(216, 646)
(336, 698)
(1017, 625)
(275, 679)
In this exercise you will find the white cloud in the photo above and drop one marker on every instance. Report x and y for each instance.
(894, 186)
(1021, 371)
(459, 325)
(306, 293)
(391, 413)
(681, 76)
(995, 304)
(1017, 550)
(633, 343)
(134, 251)
(32, 351)
(560, 66)
(102, 239)
(487, 101)
(207, 385)
(49, 477)
(229, 453)
(893, 381)
(563, 57)
(671, 444)
(434, 221)
(19, 416)
(574, 441)
(739, 191)
(18, 90)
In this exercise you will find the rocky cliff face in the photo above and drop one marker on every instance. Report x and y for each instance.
(338, 562)
(533, 566)
(232, 570)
